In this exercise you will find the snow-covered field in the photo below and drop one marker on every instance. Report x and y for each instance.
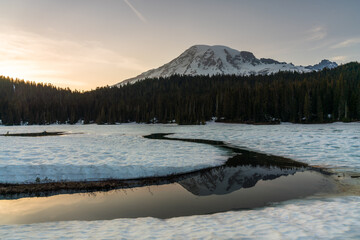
(335, 218)
(335, 145)
(100, 152)
(120, 151)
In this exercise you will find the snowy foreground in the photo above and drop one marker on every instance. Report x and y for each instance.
(334, 145)
(120, 151)
(308, 219)
(99, 152)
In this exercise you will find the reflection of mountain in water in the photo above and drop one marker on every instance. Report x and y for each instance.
(224, 180)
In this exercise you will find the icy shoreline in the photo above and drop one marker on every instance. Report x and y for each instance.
(120, 151)
(334, 145)
(332, 218)
(101, 147)
(109, 152)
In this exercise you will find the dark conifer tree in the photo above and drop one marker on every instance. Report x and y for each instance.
(325, 96)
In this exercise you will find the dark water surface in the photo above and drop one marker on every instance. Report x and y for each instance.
(219, 190)
(247, 180)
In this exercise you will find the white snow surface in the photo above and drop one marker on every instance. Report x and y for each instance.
(100, 152)
(120, 151)
(104, 150)
(214, 60)
(335, 145)
(333, 218)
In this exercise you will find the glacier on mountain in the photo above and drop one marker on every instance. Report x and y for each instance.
(222, 60)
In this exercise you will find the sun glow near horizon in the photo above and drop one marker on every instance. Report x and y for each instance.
(63, 63)
(87, 44)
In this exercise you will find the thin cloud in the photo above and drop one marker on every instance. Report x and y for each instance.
(138, 14)
(339, 58)
(347, 43)
(34, 57)
(316, 34)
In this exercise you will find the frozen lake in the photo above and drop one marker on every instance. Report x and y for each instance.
(98, 152)
(334, 218)
(120, 151)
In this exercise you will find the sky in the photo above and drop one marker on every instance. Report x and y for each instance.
(85, 44)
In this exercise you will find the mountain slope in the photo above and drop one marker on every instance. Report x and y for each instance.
(213, 60)
(323, 64)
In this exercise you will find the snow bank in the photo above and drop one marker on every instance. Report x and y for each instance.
(120, 151)
(307, 219)
(331, 145)
(100, 152)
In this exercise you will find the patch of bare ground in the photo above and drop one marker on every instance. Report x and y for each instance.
(38, 134)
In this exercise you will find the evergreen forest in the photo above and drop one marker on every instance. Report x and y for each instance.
(316, 97)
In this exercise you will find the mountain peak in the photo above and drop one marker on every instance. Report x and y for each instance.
(218, 59)
(325, 63)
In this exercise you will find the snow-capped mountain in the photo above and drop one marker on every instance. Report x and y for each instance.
(213, 60)
(323, 64)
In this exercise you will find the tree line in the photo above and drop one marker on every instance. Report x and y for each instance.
(316, 97)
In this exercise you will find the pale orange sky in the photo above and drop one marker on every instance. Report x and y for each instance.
(85, 44)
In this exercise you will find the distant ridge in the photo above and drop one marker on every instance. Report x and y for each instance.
(213, 60)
